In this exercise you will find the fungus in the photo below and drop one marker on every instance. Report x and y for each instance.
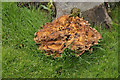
(66, 32)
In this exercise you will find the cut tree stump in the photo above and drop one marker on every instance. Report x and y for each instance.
(94, 12)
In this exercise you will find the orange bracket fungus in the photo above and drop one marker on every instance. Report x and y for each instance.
(66, 32)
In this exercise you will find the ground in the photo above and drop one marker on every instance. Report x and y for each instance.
(22, 59)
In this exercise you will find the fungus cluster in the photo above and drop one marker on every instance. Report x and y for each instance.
(66, 32)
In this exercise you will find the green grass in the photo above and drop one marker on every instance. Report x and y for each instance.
(0, 40)
(26, 61)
